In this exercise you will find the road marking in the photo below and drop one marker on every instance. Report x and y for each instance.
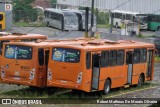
(130, 92)
(19, 29)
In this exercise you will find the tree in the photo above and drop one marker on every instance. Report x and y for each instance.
(54, 2)
(23, 10)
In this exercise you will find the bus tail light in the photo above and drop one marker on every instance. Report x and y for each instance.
(49, 74)
(79, 78)
(2, 72)
(32, 72)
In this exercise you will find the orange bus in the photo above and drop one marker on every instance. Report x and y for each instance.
(10, 37)
(20, 37)
(100, 65)
(26, 63)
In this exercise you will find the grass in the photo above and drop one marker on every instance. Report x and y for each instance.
(132, 88)
(29, 24)
(157, 59)
(70, 97)
(41, 93)
(103, 25)
(143, 36)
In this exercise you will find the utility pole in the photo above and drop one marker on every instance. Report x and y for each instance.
(86, 22)
(92, 19)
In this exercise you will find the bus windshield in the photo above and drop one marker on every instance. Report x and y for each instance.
(18, 52)
(143, 18)
(71, 20)
(66, 55)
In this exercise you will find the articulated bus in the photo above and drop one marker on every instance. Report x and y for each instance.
(26, 63)
(100, 65)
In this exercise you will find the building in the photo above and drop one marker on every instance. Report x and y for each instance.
(42, 3)
(144, 6)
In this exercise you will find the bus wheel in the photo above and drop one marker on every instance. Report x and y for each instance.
(140, 80)
(107, 87)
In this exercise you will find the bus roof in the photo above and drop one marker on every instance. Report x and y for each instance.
(48, 43)
(71, 10)
(64, 12)
(23, 36)
(54, 10)
(108, 44)
(127, 12)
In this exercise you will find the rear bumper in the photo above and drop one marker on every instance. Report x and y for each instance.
(85, 87)
(19, 82)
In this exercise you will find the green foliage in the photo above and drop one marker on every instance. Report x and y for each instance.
(23, 11)
(103, 18)
(53, 2)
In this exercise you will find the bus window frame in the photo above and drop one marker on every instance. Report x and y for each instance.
(41, 61)
(17, 58)
(104, 57)
(142, 59)
(1, 45)
(67, 48)
(112, 57)
(120, 58)
(134, 53)
(88, 60)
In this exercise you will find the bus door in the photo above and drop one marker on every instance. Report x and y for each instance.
(149, 62)
(46, 64)
(95, 71)
(129, 62)
(42, 67)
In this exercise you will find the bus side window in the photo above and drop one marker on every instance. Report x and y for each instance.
(88, 60)
(120, 57)
(104, 58)
(143, 57)
(136, 56)
(129, 58)
(41, 56)
(112, 58)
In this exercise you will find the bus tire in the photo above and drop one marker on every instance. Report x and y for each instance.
(140, 80)
(107, 87)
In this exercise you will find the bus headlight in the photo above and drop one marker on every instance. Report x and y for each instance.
(2, 72)
(79, 78)
(49, 74)
(31, 77)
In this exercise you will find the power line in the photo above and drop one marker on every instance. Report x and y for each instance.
(120, 5)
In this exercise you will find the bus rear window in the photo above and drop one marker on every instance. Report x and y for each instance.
(66, 55)
(18, 52)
